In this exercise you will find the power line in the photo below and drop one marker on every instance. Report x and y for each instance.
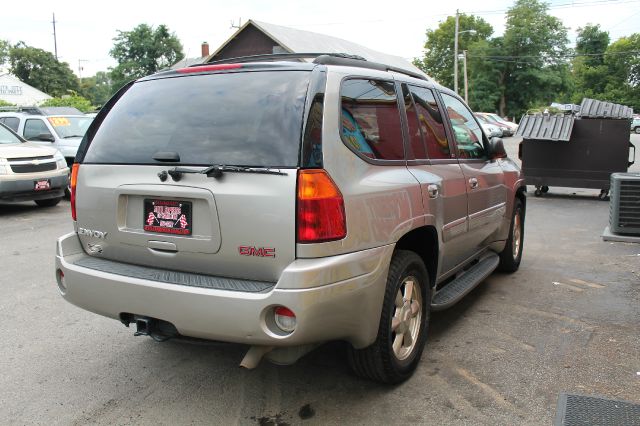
(568, 55)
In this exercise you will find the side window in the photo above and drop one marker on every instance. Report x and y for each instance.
(33, 128)
(466, 131)
(431, 124)
(415, 134)
(11, 122)
(371, 119)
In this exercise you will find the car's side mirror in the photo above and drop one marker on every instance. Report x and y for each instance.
(496, 149)
(48, 137)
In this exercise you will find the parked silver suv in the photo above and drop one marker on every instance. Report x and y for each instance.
(285, 204)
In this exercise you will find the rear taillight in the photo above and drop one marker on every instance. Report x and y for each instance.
(74, 181)
(321, 214)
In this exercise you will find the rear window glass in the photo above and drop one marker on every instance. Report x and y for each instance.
(248, 118)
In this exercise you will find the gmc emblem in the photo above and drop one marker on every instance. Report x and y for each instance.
(257, 251)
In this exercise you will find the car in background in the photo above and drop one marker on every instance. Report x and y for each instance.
(61, 128)
(508, 128)
(490, 129)
(635, 125)
(29, 172)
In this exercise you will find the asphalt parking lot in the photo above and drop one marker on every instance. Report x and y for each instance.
(568, 320)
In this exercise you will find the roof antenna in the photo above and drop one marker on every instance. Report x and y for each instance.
(233, 24)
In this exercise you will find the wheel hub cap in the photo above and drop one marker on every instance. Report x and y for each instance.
(405, 324)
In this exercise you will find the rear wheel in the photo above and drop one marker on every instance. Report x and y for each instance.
(395, 354)
(637, 129)
(49, 202)
(512, 253)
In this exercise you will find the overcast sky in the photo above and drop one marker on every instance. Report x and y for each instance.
(85, 30)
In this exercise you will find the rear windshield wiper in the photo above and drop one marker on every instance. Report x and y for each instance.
(217, 170)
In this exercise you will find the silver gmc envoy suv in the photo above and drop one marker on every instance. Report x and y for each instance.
(282, 204)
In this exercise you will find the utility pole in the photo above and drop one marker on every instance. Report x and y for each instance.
(80, 61)
(455, 54)
(55, 40)
(466, 82)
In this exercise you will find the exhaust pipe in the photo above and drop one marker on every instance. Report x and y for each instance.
(254, 355)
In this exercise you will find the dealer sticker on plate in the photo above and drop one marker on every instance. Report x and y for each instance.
(41, 185)
(167, 216)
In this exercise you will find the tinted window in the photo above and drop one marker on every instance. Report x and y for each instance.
(34, 128)
(371, 119)
(12, 123)
(466, 130)
(246, 118)
(431, 124)
(7, 137)
(415, 134)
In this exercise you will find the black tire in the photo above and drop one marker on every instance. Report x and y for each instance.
(537, 192)
(544, 189)
(49, 202)
(510, 261)
(379, 361)
(637, 130)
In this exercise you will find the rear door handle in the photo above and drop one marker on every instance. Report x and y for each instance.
(473, 183)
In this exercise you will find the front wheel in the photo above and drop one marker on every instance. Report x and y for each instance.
(402, 331)
(637, 130)
(512, 254)
(49, 202)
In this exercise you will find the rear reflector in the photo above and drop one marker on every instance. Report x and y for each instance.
(205, 68)
(285, 319)
(321, 215)
(74, 181)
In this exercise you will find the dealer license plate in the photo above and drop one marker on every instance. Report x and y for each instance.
(42, 185)
(167, 216)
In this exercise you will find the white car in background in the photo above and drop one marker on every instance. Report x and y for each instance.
(490, 129)
(508, 128)
(29, 172)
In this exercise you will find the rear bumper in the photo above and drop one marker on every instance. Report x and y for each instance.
(20, 188)
(346, 309)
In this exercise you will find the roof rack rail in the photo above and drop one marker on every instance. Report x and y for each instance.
(330, 60)
(343, 59)
(34, 110)
(276, 56)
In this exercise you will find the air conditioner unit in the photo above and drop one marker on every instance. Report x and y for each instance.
(624, 206)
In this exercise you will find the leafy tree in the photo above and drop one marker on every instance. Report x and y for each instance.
(592, 42)
(534, 54)
(439, 47)
(143, 51)
(75, 101)
(5, 47)
(486, 77)
(4, 103)
(622, 60)
(42, 70)
(590, 74)
(98, 89)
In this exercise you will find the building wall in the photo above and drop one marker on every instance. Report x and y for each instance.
(250, 41)
(14, 91)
